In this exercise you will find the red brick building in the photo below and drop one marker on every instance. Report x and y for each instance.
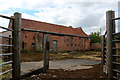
(34, 40)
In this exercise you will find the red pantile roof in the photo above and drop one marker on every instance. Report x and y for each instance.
(37, 25)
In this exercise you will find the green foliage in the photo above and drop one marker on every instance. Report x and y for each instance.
(110, 10)
(117, 37)
(95, 37)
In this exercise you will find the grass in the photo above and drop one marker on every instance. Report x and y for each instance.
(5, 68)
(94, 55)
(28, 57)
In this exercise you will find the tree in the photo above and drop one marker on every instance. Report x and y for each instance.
(117, 37)
(95, 37)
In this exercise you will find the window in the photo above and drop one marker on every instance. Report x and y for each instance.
(25, 36)
(34, 37)
(67, 44)
(33, 44)
(25, 44)
(22, 45)
(75, 44)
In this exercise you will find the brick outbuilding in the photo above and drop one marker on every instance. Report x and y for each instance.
(34, 40)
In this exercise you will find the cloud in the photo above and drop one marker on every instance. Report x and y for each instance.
(77, 13)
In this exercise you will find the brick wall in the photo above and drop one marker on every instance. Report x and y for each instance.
(63, 42)
(95, 46)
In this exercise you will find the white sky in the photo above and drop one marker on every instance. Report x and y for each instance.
(88, 14)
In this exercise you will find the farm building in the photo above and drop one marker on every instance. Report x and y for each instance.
(5, 40)
(34, 40)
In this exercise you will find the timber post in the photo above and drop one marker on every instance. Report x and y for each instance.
(110, 30)
(103, 51)
(46, 53)
(16, 34)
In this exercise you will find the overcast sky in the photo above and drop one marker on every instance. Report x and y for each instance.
(88, 14)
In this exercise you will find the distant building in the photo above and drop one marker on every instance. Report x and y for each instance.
(34, 40)
(5, 40)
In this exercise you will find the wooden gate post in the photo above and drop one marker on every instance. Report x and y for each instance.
(110, 29)
(46, 53)
(16, 46)
(103, 52)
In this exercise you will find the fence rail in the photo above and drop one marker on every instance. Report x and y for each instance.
(6, 17)
(53, 33)
(6, 28)
(6, 54)
(116, 18)
(6, 37)
(104, 56)
(6, 63)
(6, 45)
(6, 72)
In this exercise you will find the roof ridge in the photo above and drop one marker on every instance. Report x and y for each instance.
(46, 23)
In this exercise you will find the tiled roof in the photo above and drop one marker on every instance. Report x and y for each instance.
(37, 25)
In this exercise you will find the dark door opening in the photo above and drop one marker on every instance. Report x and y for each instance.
(23, 45)
(54, 44)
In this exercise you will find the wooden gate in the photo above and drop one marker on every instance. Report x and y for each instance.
(16, 28)
(110, 58)
(16, 47)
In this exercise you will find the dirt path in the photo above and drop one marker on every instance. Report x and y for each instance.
(94, 73)
(70, 64)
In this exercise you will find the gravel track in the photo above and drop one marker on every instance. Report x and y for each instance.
(69, 64)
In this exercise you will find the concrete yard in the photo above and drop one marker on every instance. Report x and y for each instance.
(69, 64)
